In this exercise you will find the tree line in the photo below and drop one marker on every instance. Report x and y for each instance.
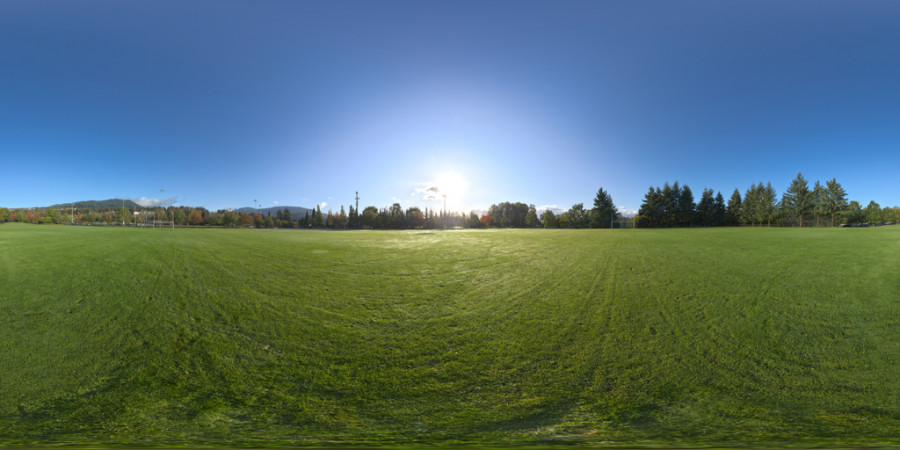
(672, 205)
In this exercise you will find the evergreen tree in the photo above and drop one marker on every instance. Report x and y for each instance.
(769, 203)
(835, 198)
(651, 209)
(820, 207)
(798, 199)
(604, 212)
(352, 217)
(670, 203)
(686, 206)
(752, 206)
(719, 210)
(318, 219)
(733, 213)
(706, 209)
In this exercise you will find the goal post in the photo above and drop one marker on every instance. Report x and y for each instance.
(163, 223)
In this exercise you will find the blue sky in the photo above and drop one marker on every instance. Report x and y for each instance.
(302, 102)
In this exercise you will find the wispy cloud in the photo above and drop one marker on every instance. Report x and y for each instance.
(429, 192)
(153, 202)
(275, 203)
(554, 208)
(323, 205)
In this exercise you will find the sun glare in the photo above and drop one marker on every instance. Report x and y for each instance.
(452, 184)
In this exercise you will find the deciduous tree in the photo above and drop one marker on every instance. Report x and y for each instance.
(531, 219)
(873, 213)
(577, 216)
(196, 217)
(549, 219)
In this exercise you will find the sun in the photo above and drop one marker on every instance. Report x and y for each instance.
(452, 184)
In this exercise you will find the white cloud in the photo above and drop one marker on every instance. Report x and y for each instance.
(323, 205)
(429, 192)
(153, 202)
(556, 209)
(275, 203)
(628, 212)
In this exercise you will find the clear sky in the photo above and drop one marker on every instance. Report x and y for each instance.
(304, 102)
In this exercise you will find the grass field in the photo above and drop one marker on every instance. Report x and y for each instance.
(613, 337)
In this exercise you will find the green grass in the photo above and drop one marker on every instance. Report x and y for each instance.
(112, 336)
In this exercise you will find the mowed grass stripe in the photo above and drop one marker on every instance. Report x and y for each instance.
(692, 336)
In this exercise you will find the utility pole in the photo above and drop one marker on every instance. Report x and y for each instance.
(355, 217)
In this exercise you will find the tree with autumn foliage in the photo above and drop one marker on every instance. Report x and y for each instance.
(196, 217)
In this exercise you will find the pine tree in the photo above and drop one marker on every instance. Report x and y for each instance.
(686, 206)
(797, 199)
(604, 213)
(733, 212)
(706, 208)
(835, 198)
(670, 203)
(319, 218)
(818, 200)
(769, 200)
(719, 210)
(651, 209)
(753, 208)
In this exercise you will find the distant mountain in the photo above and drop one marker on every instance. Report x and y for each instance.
(297, 212)
(112, 203)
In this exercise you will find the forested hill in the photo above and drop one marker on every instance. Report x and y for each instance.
(297, 212)
(112, 203)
